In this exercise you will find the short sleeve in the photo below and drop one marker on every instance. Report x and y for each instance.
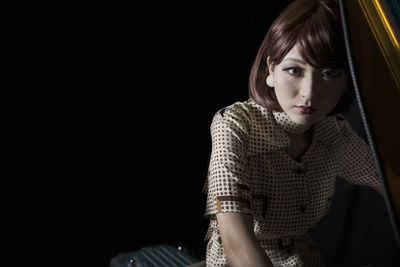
(357, 165)
(228, 185)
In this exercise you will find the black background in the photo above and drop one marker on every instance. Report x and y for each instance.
(185, 63)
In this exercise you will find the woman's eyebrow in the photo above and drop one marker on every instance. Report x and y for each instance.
(295, 59)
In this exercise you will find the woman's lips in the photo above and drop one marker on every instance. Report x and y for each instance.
(305, 109)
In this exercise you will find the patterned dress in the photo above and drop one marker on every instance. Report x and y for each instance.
(250, 172)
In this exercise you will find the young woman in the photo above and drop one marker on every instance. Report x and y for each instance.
(276, 156)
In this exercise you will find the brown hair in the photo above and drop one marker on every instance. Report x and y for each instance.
(316, 26)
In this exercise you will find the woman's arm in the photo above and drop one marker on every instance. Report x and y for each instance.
(357, 163)
(240, 244)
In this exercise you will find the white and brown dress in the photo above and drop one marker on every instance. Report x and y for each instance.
(250, 172)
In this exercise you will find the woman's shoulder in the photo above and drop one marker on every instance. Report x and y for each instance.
(341, 124)
(245, 111)
(236, 107)
(236, 117)
(333, 129)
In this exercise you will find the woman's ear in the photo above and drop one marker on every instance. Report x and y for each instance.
(270, 65)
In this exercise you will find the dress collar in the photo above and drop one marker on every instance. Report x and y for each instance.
(326, 130)
(283, 120)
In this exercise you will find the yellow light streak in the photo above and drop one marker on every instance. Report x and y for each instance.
(386, 22)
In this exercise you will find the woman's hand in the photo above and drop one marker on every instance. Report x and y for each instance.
(240, 244)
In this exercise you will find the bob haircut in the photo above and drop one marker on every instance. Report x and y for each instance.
(316, 26)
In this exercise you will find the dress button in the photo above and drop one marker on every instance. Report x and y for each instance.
(299, 170)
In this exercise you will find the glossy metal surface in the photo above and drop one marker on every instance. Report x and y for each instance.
(373, 32)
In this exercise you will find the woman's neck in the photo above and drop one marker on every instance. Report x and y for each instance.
(306, 135)
(299, 143)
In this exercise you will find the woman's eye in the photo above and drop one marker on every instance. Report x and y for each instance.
(293, 71)
(331, 74)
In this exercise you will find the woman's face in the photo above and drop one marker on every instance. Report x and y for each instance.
(305, 93)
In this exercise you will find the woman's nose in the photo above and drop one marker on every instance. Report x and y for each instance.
(308, 88)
